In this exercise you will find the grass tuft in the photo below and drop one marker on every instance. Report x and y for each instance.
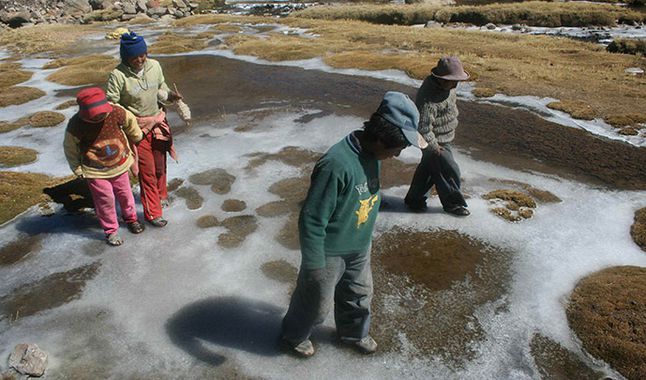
(576, 108)
(11, 156)
(172, 43)
(628, 46)
(638, 229)
(19, 191)
(92, 69)
(45, 119)
(18, 95)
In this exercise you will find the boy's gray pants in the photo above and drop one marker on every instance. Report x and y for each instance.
(441, 171)
(345, 279)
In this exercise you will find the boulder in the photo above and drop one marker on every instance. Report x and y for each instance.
(141, 6)
(193, 5)
(158, 11)
(490, 26)
(17, 19)
(28, 359)
(128, 16)
(77, 6)
(179, 4)
(433, 24)
(178, 13)
(129, 8)
(153, 4)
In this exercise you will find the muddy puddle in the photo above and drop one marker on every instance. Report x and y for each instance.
(518, 139)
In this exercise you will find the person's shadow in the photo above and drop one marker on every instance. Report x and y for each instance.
(238, 323)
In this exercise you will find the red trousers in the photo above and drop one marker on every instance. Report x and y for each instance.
(152, 175)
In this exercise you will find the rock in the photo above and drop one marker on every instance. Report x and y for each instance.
(28, 359)
(158, 11)
(169, 11)
(179, 4)
(193, 5)
(490, 26)
(128, 16)
(516, 27)
(17, 19)
(77, 6)
(153, 4)
(433, 24)
(635, 71)
(129, 8)
(141, 5)
(178, 13)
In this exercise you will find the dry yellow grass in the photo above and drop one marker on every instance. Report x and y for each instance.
(43, 38)
(10, 74)
(18, 95)
(45, 119)
(19, 191)
(7, 126)
(578, 109)
(544, 66)
(15, 156)
(91, 69)
(172, 43)
(638, 229)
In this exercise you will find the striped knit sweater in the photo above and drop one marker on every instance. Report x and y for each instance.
(438, 113)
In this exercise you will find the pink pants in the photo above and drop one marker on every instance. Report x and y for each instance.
(104, 191)
(152, 174)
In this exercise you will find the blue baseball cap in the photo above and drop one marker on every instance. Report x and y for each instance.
(399, 110)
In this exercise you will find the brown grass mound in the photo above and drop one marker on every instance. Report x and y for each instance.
(628, 46)
(576, 108)
(18, 95)
(556, 362)
(207, 221)
(239, 228)
(6, 126)
(290, 155)
(219, 179)
(428, 286)
(67, 104)
(172, 43)
(91, 69)
(607, 311)
(10, 74)
(19, 191)
(233, 205)
(484, 92)
(281, 271)
(193, 198)
(15, 156)
(542, 196)
(174, 184)
(518, 206)
(638, 229)
(45, 119)
(622, 120)
(56, 38)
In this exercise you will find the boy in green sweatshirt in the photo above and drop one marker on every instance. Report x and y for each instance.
(336, 224)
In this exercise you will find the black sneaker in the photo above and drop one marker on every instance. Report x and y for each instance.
(457, 210)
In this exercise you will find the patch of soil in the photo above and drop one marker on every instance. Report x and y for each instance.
(396, 173)
(239, 228)
(11, 156)
(50, 292)
(555, 362)
(638, 229)
(428, 286)
(193, 198)
(20, 248)
(607, 311)
(290, 155)
(207, 221)
(281, 271)
(18, 95)
(219, 179)
(44, 119)
(19, 191)
(233, 205)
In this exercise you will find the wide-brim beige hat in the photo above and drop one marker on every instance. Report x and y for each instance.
(450, 68)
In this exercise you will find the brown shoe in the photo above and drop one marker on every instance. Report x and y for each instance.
(136, 227)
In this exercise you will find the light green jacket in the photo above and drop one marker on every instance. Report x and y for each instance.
(138, 94)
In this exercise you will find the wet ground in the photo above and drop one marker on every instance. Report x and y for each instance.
(514, 138)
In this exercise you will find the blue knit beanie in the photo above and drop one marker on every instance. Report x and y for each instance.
(131, 45)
